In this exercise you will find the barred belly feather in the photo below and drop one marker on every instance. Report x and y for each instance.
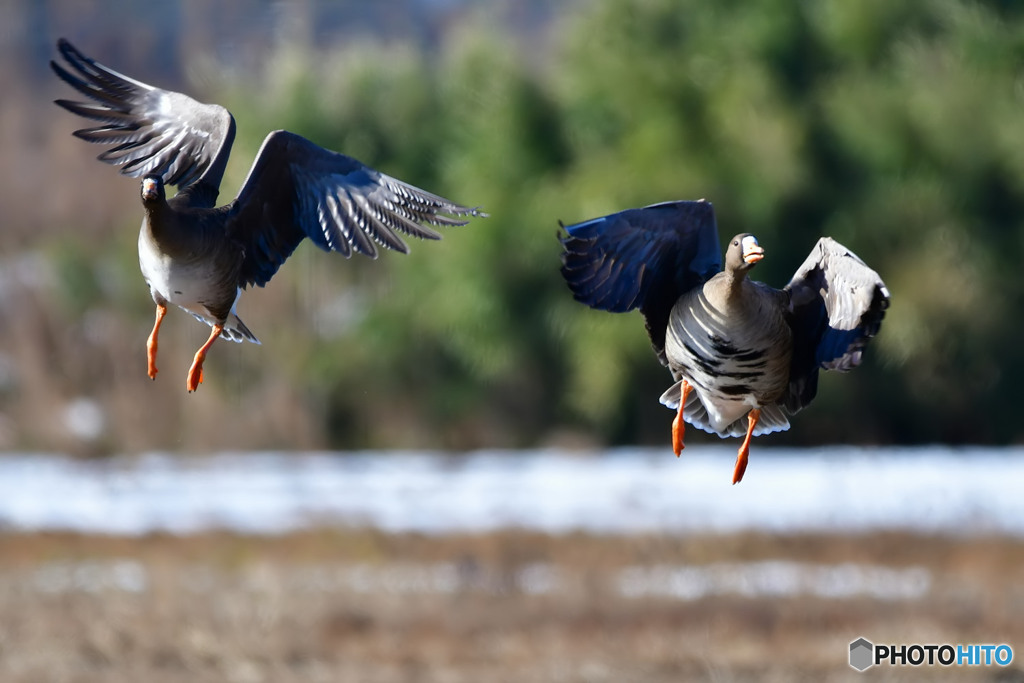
(732, 367)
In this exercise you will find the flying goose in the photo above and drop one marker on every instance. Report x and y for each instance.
(743, 354)
(199, 256)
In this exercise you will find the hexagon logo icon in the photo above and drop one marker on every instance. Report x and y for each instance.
(862, 654)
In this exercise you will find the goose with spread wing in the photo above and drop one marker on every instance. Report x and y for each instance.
(199, 256)
(743, 354)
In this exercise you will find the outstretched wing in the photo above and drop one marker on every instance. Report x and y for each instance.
(151, 130)
(297, 189)
(837, 304)
(642, 258)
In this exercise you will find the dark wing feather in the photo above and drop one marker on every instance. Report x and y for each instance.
(297, 189)
(642, 258)
(837, 304)
(151, 130)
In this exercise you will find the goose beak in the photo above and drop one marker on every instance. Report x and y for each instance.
(149, 189)
(752, 251)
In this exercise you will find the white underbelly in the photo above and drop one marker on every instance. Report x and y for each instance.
(722, 413)
(186, 285)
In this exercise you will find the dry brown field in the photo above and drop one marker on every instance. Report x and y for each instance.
(359, 605)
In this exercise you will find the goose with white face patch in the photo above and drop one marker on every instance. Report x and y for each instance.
(744, 355)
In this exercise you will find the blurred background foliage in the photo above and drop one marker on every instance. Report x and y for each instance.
(897, 128)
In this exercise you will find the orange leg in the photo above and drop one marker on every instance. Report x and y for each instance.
(678, 426)
(151, 343)
(195, 373)
(741, 459)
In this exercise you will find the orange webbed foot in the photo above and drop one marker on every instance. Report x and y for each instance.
(151, 343)
(678, 430)
(195, 376)
(741, 465)
(195, 373)
(744, 453)
(678, 424)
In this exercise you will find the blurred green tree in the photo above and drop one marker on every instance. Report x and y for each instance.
(896, 128)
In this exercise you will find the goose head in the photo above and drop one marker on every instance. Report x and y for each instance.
(743, 253)
(152, 189)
